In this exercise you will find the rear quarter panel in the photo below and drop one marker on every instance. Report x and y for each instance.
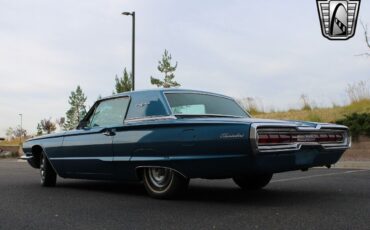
(194, 149)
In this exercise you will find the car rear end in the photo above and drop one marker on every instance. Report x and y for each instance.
(279, 147)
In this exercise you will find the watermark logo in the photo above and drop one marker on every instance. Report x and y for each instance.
(338, 18)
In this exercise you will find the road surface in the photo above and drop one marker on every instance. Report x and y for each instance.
(317, 199)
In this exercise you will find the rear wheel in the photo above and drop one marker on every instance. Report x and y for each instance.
(47, 173)
(164, 183)
(253, 181)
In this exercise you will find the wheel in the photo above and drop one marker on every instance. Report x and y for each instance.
(253, 181)
(164, 183)
(47, 173)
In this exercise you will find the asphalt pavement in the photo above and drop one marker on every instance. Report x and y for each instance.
(317, 199)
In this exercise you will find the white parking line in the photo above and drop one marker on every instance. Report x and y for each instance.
(320, 175)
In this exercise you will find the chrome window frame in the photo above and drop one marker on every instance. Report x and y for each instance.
(91, 113)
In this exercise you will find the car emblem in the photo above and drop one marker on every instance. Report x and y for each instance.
(231, 136)
(306, 138)
(338, 18)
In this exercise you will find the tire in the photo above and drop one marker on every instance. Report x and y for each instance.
(164, 183)
(253, 181)
(47, 173)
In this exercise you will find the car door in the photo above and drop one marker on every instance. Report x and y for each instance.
(89, 149)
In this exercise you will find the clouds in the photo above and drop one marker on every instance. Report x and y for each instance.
(270, 50)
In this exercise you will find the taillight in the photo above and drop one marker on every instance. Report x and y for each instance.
(274, 138)
(286, 138)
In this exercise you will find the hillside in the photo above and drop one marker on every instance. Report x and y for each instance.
(319, 114)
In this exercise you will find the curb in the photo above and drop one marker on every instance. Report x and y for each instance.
(352, 164)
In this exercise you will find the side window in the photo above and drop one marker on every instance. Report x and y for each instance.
(109, 113)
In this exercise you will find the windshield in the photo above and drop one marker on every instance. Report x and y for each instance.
(194, 104)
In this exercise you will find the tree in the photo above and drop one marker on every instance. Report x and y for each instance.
(367, 39)
(17, 132)
(48, 126)
(60, 122)
(39, 129)
(78, 109)
(9, 133)
(306, 105)
(165, 66)
(124, 83)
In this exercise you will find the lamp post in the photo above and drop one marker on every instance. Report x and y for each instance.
(20, 139)
(133, 46)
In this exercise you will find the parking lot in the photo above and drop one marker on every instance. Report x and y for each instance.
(317, 199)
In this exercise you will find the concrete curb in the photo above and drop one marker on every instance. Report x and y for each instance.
(353, 164)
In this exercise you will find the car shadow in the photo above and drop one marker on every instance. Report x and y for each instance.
(224, 193)
(113, 187)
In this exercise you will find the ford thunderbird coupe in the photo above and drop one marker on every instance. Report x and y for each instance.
(166, 137)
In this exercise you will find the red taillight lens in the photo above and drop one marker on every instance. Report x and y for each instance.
(276, 138)
(263, 139)
(323, 138)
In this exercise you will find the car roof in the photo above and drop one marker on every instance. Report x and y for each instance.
(161, 90)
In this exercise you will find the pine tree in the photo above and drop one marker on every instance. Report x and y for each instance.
(78, 109)
(165, 66)
(39, 130)
(124, 83)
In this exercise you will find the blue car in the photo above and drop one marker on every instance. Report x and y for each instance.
(166, 137)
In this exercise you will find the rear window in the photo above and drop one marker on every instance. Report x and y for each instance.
(203, 104)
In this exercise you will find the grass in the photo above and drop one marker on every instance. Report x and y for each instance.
(14, 142)
(12, 155)
(320, 114)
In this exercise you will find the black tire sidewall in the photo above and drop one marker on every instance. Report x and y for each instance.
(253, 181)
(177, 184)
(50, 176)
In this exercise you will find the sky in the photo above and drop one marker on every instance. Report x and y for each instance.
(269, 50)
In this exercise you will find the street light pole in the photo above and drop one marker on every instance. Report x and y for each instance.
(133, 47)
(20, 140)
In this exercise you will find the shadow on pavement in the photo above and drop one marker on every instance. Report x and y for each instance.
(203, 192)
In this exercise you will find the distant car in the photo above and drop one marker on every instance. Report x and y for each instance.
(166, 137)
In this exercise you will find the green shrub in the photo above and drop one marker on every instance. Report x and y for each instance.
(359, 124)
(314, 117)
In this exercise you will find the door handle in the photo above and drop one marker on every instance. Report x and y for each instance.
(109, 132)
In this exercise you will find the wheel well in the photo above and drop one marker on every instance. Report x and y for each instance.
(140, 171)
(36, 153)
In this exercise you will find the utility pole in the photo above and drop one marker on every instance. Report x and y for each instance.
(133, 46)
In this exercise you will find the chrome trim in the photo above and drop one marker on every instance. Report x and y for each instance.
(83, 158)
(25, 157)
(150, 118)
(297, 146)
(154, 166)
(209, 115)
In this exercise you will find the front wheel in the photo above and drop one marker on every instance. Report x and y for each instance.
(47, 173)
(164, 183)
(253, 181)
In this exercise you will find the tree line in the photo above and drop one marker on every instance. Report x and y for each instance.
(77, 99)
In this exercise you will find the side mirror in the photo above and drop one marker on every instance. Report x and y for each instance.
(82, 124)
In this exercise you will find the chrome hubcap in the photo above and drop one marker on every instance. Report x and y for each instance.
(42, 169)
(160, 177)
